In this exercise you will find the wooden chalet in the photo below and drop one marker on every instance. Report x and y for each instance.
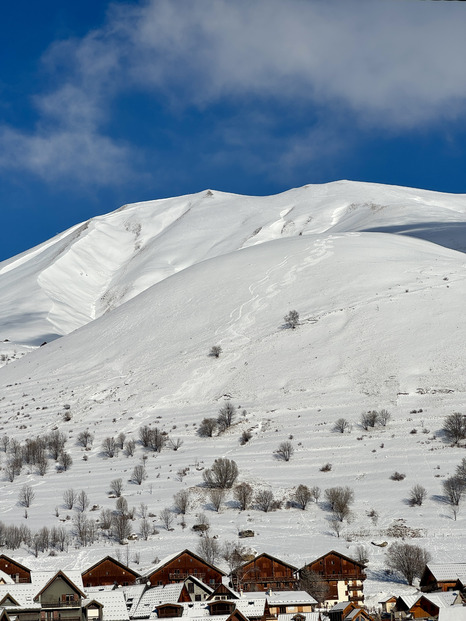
(263, 573)
(423, 606)
(19, 573)
(344, 576)
(109, 571)
(443, 577)
(178, 568)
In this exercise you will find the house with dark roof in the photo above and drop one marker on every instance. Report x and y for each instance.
(265, 572)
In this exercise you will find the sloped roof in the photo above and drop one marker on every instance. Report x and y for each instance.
(61, 574)
(114, 605)
(346, 558)
(172, 557)
(11, 560)
(6, 578)
(115, 562)
(447, 572)
(133, 594)
(453, 613)
(272, 558)
(308, 616)
(442, 600)
(166, 594)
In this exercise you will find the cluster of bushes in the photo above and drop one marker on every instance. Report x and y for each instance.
(224, 420)
(35, 452)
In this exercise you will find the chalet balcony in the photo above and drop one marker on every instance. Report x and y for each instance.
(345, 577)
(182, 575)
(60, 604)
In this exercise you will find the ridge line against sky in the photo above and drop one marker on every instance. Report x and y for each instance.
(130, 101)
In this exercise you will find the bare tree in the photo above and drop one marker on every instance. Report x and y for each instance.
(82, 501)
(234, 554)
(384, 417)
(341, 425)
(453, 489)
(408, 560)
(264, 500)
(26, 496)
(461, 470)
(302, 496)
(56, 443)
(369, 419)
(130, 447)
(417, 495)
(285, 450)
(243, 493)
(4, 442)
(216, 496)
(121, 440)
(223, 473)
(315, 491)
(110, 447)
(65, 460)
(106, 516)
(292, 319)
(42, 465)
(69, 498)
(207, 427)
(175, 443)
(454, 427)
(85, 438)
(121, 527)
(167, 518)
(181, 501)
(116, 487)
(121, 505)
(139, 474)
(209, 549)
(145, 528)
(215, 351)
(313, 583)
(339, 499)
(152, 438)
(225, 416)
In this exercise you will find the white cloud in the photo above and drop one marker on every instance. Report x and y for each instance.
(392, 65)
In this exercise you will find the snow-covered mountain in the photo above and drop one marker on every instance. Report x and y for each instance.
(153, 286)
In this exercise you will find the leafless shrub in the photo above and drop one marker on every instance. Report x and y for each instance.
(216, 497)
(42, 465)
(152, 438)
(209, 549)
(129, 448)
(369, 419)
(56, 443)
(121, 437)
(397, 476)
(85, 438)
(139, 474)
(82, 501)
(207, 427)
(121, 505)
(225, 416)
(292, 319)
(264, 500)
(361, 555)
(4, 442)
(105, 519)
(285, 450)
(65, 460)
(26, 496)
(145, 528)
(340, 499)
(243, 493)
(341, 425)
(167, 518)
(121, 527)
(315, 492)
(245, 437)
(373, 514)
(417, 495)
(222, 474)
(453, 489)
(69, 498)
(175, 444)
(215, 351)
(326, 468)
(384, 417)
(85, 529)
(181, 501)
(116, 487)
(302, 496)
(408, 560)
(110, 447)
(454, 427)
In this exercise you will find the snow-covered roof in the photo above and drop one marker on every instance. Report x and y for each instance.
(114, 605)
(339, 606)
(6, 578)
(308, 616)
(453, 613)
(133, 594)
(166, 594)
(40, 578)
(442, 600)
(250, 606)
(447, 571)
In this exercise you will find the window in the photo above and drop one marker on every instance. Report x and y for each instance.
(190, 587)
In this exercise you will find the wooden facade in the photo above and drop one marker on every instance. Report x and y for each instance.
(109, 571)
(182, 566)
(343, 575)
(263, 573)
(434, 580)
(19, 573)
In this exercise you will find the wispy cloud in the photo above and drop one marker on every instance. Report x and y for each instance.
(384, 64)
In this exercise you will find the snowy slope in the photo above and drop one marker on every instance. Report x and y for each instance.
(381, 327)
(94, 267)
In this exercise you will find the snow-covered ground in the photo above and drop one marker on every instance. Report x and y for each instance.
(155, 285)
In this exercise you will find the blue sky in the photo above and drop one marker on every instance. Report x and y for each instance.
(103, 104)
